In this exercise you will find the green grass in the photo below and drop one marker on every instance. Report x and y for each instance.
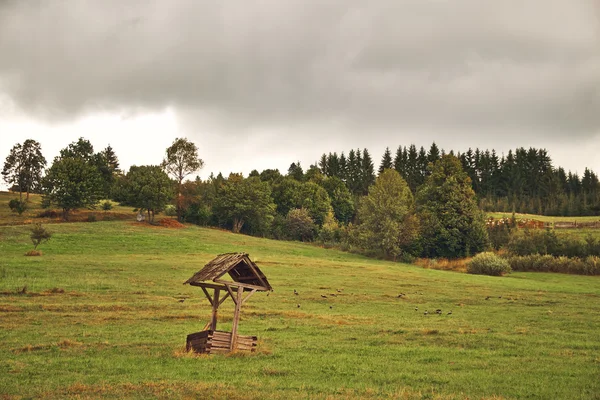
(118, 329)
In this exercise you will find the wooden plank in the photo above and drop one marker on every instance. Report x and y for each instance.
(236, 317)
(224, 298)
(207, 285)
(244, 285)
(230, 293)
(248, 295)
(215, 308)
(210, 300)
(256, 273)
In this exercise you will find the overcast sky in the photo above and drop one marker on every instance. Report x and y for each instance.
(260, 84)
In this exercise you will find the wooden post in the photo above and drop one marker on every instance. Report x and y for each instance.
(215, 306)
(236, 317)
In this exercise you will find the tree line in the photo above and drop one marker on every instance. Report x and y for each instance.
(523, 181)
(418, 203)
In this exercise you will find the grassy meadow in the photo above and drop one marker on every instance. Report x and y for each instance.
(99, 316)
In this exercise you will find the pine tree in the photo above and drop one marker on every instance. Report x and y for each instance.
(23, 167)
(386, 160)
(451, 223)
(368, 172)
(399, 162)
(434, 153)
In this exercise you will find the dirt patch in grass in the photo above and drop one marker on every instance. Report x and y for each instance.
(443, 264)
(171, 223)
(63, 344)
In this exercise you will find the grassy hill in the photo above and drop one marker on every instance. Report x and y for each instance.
(34, 208)
(99, 316)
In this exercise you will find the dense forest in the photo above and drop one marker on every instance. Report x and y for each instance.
(524, 180)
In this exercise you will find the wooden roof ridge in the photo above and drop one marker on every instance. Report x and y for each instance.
(242, 270)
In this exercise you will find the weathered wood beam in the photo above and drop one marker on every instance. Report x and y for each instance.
(244, 285)
(210, 300)
(257, 274)
(215, 307)
(231, 293)
(207, 285)
(224, 298)
(248, 296)
(236, 318)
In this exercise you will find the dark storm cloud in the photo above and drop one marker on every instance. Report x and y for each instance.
(467, 65)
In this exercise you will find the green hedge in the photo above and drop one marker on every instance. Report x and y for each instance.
(547, 263)
(488, 264)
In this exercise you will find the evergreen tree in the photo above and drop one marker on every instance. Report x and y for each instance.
(367, 172)
(434, 153)
(386, 161)
(412, 168)
(108, 166)
(399, 162)
(343, 173)
(451, 223)
(23, 167)
(295, 171)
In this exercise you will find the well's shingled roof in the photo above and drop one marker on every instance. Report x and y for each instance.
(239, 266)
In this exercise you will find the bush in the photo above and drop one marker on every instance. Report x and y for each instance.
(48, 214)
(170, 210)
(38, 235)
(547, 263)
(488, 264)
(300, 225)
(331, 232)
(529, 242)
(107, 206)
(17, 206)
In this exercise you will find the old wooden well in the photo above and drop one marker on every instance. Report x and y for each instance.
(228, 275)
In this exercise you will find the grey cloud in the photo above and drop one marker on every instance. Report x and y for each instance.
(471, 65)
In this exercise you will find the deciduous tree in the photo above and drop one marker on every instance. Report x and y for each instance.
(72, 183)
(386, 220)
(180, 161)
(242, 200)
(148, 188)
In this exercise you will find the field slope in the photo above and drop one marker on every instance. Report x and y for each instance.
(99, 316)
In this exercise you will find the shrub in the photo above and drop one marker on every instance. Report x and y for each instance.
(107, 206)
(170, 210)
(17, 206)
(547, 263)
(528, 242)
(48, 214)
(330, 232)
(39, 234)
(488, 264)
(300, 225)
